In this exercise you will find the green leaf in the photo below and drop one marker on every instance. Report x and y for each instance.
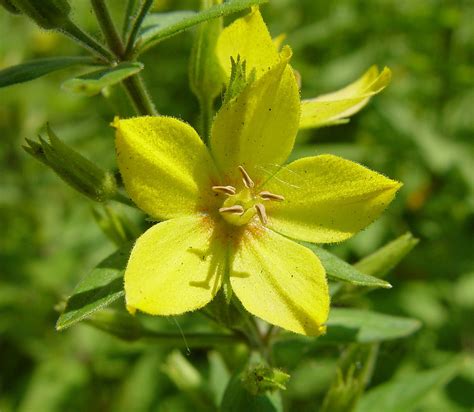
(98, 289)
(403, 393)
(363, 326)
(92, 83)
(338, 269)
(160, 26)
(36, 68)
(386, 258)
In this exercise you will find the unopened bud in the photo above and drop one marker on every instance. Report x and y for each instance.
(48, 14)
(73, 168)
(259, 379)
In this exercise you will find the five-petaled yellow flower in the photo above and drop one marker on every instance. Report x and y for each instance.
(228, 212)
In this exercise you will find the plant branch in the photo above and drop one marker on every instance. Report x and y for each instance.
(145, 7)
(192, 340)
(107, 25)
(134, 85)
(138, 94)
(86, 41)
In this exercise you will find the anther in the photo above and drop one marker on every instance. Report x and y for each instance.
(236, 210)
(262, 213)
(265, 195)
(227, 190)
(248, 182)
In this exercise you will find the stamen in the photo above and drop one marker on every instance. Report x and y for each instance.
(236, 209)
(248, 182)
(265, 195)
(227, 190)
(262, 213)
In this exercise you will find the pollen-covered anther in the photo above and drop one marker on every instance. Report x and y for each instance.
(226, 190)
(248, 182)
(265, 195)
(235, 210)
(262, 213)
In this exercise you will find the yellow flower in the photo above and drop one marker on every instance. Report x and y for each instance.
(248, 37)
(228, 212)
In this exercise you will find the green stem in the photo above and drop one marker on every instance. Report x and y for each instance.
(128, 17)
(88, 42)
(108, 27)
(192, 340)
(206, 112)
(134, 85)
(120, 198)
(136, 26)
(138, 94)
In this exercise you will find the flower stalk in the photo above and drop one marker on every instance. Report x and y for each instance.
(134, 85)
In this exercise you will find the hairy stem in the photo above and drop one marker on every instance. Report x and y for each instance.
(107, 26)
(134, 85)
(87, 42)
(145, 7)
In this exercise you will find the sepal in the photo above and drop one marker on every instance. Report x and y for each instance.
(77, 171)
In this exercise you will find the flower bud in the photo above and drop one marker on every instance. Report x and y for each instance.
(48, 14)
(259, 379)
(73, 168)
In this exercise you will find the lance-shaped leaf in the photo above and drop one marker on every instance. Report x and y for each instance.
(335, 108)
(404, 393)
(363, 326)
(92, 83)
(160, 26)
(36, 68)
(98, 289)
(386, 258)
(338, 269)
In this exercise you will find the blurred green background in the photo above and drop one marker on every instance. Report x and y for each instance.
(420, 131)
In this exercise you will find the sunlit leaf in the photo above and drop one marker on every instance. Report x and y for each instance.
(386, 258)
(92, 83)
(160, 26)
(338, 269)
(99, 288)
(363, 326)
(36, 68)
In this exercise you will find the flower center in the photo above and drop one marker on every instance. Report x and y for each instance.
(240, 207)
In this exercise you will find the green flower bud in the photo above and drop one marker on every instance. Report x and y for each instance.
(8, 5)
(48, 14)
(73, 168)
(239, 78)
(205, 74)
(259, 379)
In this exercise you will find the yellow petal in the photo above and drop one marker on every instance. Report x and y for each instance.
(257, 129)
(166, 168)
(281, 282)
(248, 37)
(175, 267)
(327, 198)
(335, 107)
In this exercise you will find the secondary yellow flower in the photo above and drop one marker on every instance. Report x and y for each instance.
(228, 212)
(248, 37)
